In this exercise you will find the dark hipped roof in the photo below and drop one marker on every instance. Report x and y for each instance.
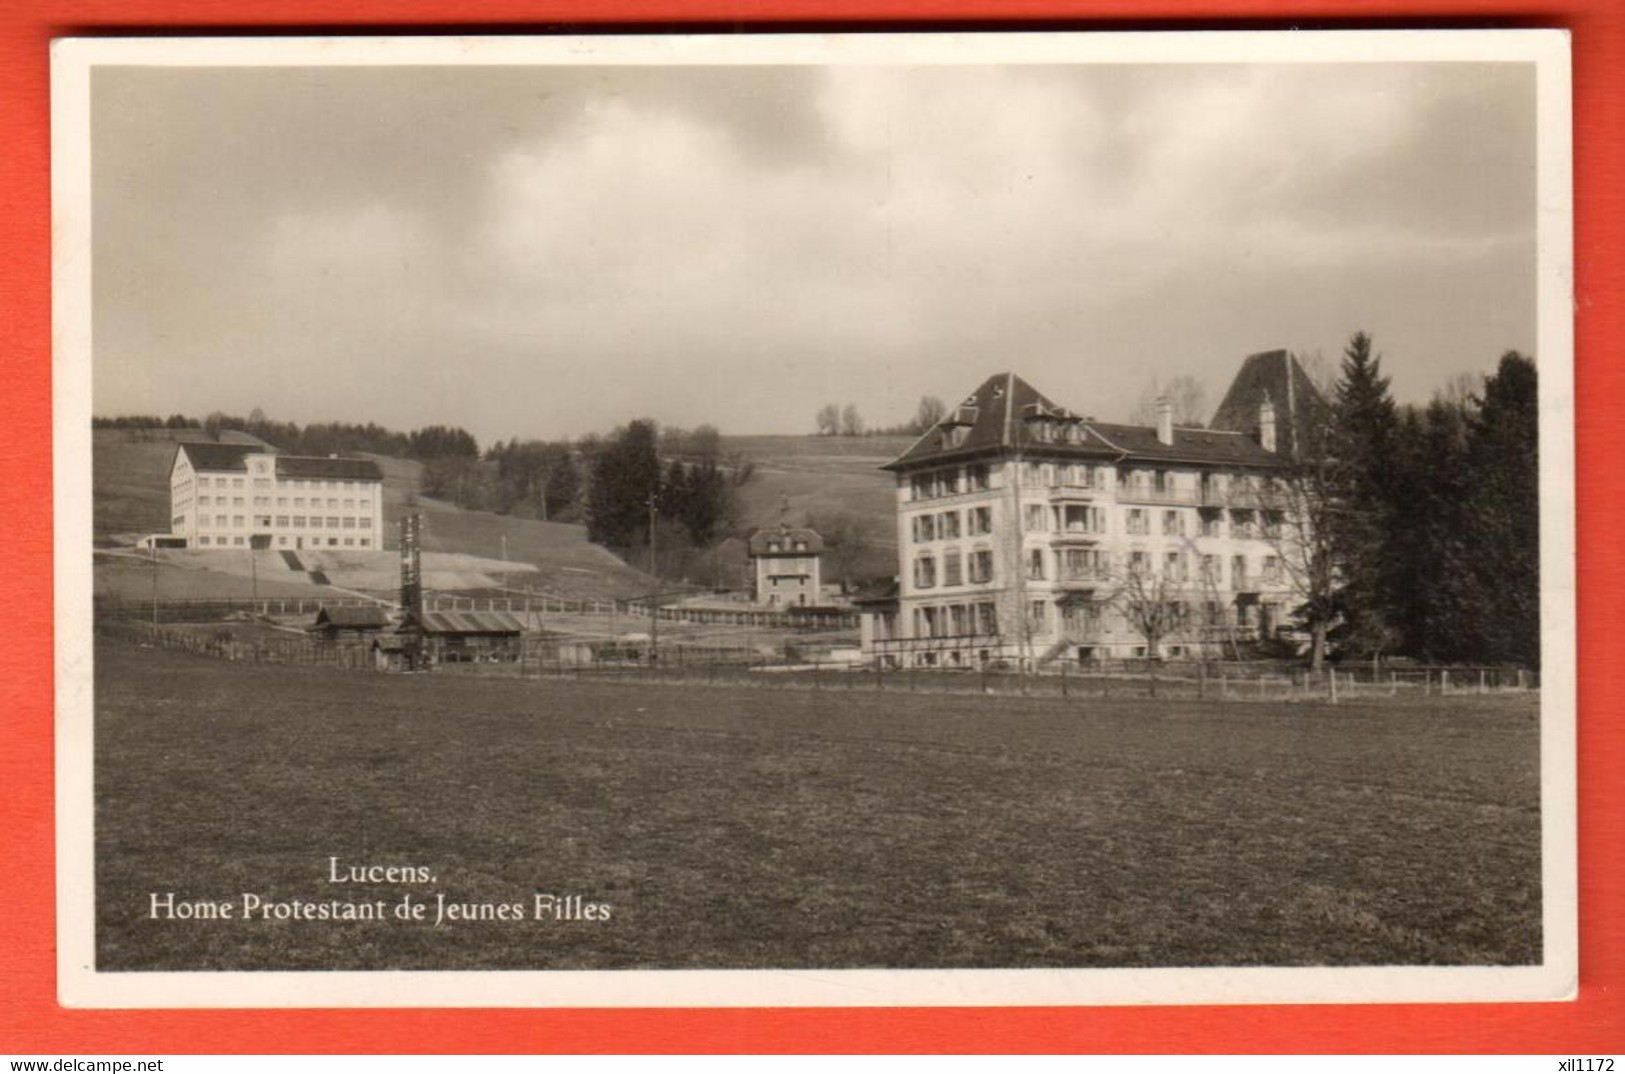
(207, 455)
(230, 457)
(877, 593)
(994, 419)
(1300, 410)
(368, 617)
(314, 466)
(1190, 445)
(788, 535)
(464, 622)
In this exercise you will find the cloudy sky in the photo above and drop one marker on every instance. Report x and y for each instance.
(548, 252)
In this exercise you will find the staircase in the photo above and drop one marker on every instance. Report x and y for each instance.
(1059, 649)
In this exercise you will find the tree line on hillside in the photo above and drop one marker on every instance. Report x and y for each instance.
(143, 421)
(668, 497)
(1420, 525)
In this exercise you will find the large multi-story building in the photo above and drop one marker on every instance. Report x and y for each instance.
(225, 495)
(1028, 534)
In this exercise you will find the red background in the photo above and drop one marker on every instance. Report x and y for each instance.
(31, 1021)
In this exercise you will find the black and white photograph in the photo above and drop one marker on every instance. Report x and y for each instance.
(839, 519)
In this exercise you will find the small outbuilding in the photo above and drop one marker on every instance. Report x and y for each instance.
(341, 623)
(462, 637)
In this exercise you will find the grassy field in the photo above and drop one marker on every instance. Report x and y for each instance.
(130, 482)
(760, 828)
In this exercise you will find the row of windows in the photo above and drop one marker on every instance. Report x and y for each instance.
(956, 620)
(282, 501)
(957, 569)
(315, 522)
(298, 483)
(1083, 519)
(1243, 523)
(1090, 565)
(1077, 618)
(950, 481)
(944, 525)
(796, 566)
(283, 541)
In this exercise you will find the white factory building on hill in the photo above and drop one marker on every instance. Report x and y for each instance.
(227, 495)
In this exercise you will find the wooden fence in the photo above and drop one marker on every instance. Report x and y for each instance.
(544, 659)
(531, 609)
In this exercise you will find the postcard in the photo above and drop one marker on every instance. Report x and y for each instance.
(814, 519)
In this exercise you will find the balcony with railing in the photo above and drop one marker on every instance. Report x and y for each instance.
(1166, 496)
(1241, 496)
(1082, 578)
(1073, 490)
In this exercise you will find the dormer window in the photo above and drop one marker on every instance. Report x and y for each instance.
(772, 546)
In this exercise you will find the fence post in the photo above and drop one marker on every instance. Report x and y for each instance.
(1481, 687)
(1332, 677)
(1444, 682)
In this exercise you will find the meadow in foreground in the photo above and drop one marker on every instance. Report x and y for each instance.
(732, 827)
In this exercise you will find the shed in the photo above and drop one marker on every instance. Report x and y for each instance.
(335, 623)
(464, 637)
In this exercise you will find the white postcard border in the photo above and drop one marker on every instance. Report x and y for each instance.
(80, 985)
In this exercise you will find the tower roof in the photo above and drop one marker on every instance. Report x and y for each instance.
(1300, 409)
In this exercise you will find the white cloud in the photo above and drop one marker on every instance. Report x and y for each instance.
(642, 254)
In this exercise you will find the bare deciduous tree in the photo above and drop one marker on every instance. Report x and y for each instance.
(1300, 506)
(930, 411)
(1151, 603)
(1184, 392)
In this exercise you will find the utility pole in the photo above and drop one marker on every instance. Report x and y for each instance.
(654, 597)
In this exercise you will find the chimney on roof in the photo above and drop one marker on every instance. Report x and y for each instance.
(1266, 424)
(1165, 419)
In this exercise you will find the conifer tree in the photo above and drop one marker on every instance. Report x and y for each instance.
(1503, 523)
(1365, 470)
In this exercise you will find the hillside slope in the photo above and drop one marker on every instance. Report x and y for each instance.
(822, 476)
(130, 479)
